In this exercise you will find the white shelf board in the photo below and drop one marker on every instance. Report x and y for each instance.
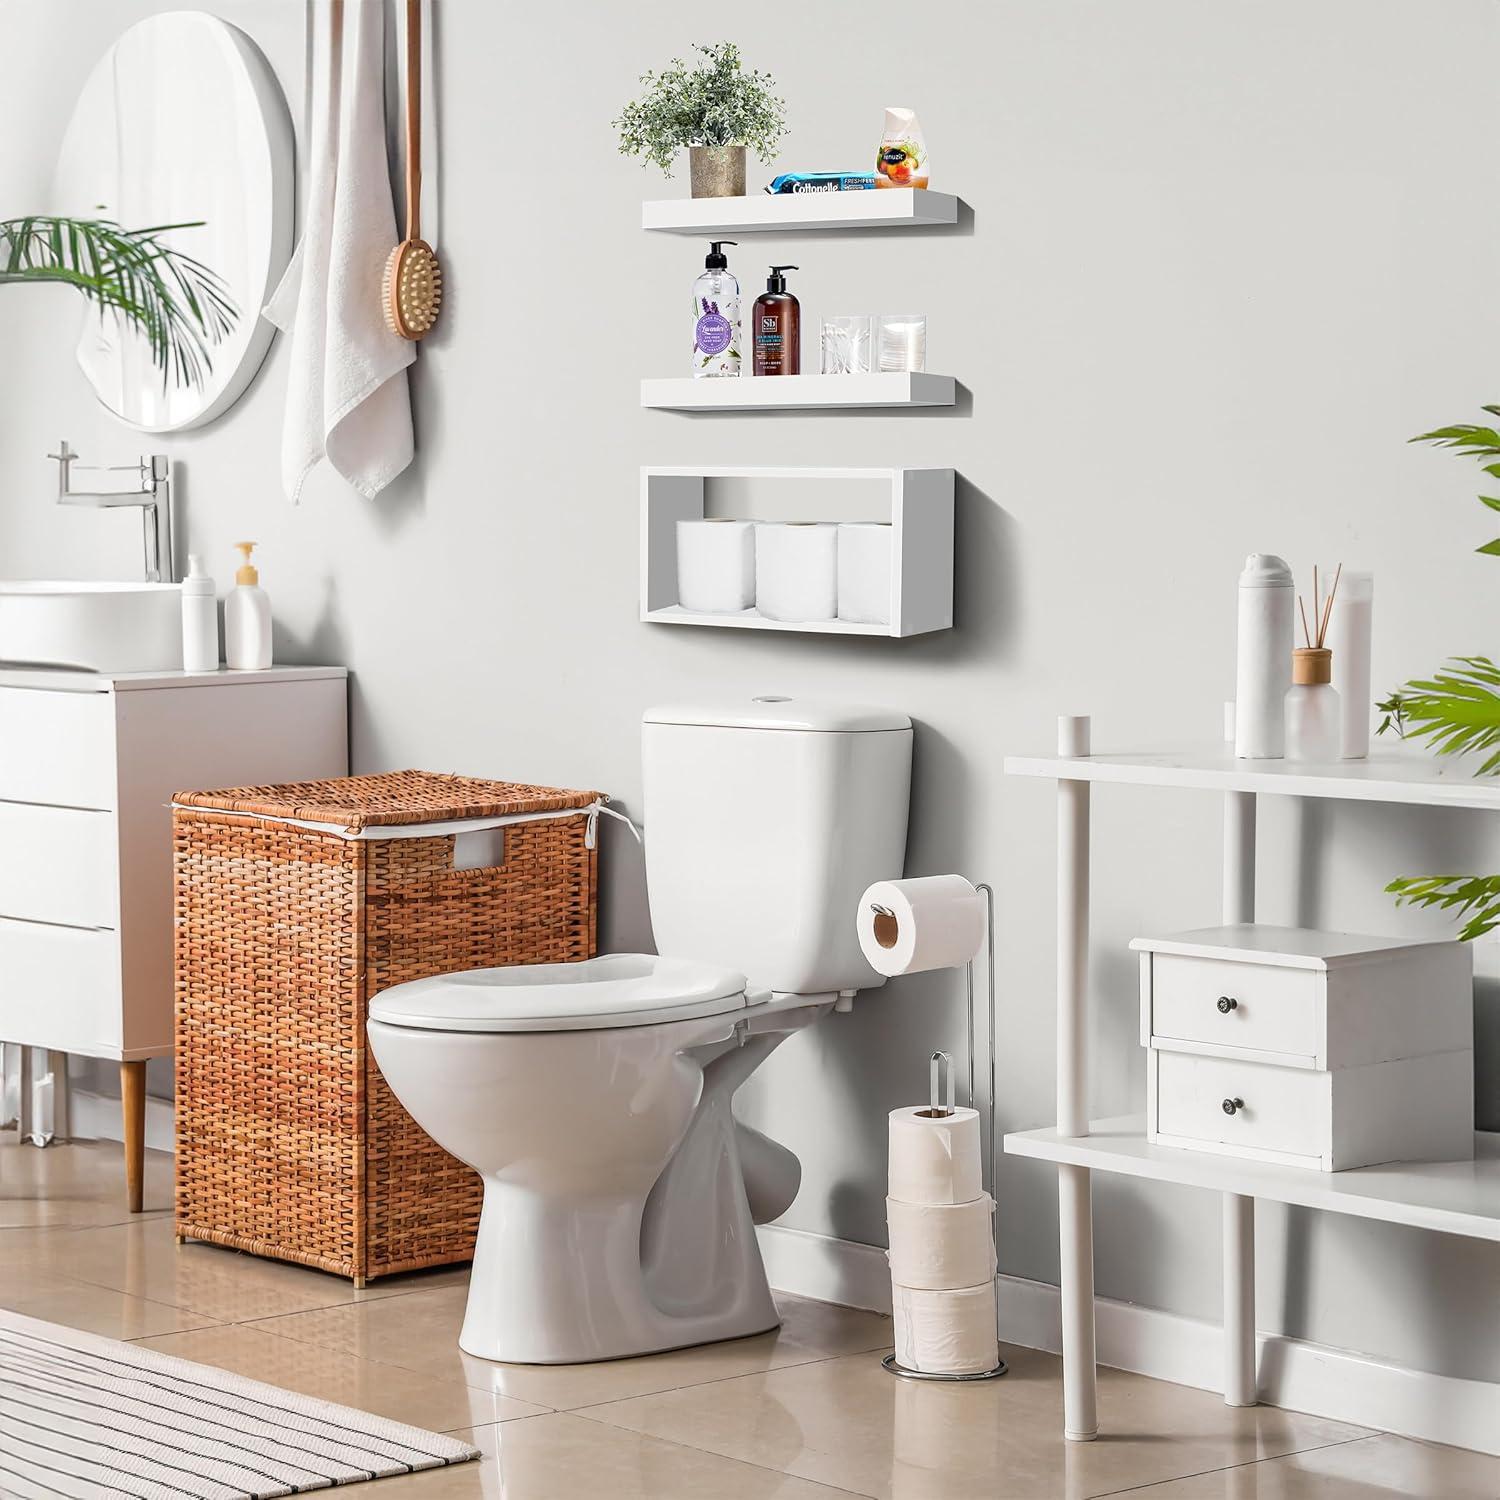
(1457, 1197)
(750, 619)
(871, 208)
(798, 392)
(1408, 776)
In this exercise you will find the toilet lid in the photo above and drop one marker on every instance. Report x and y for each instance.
(616, 989)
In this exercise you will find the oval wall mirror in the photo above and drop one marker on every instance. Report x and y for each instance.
(183, 122)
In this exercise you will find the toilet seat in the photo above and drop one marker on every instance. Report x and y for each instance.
(613, 990)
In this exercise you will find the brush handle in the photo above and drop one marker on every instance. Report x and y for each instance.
(414, 119)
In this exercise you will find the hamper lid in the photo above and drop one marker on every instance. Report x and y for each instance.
(391, 798)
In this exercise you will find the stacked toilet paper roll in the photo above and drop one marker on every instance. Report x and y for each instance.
(942, 1255)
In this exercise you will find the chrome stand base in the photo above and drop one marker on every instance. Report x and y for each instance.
(889, 1363)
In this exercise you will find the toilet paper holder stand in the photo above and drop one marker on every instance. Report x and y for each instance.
(938, 1064)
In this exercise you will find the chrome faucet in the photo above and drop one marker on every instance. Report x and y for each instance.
(152, 493)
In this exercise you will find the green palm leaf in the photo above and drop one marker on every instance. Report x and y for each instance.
(177, 304)
(1476, 897)
(1472, 441)
(1457, 711)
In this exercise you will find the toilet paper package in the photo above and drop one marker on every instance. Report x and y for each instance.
(865, 572)
(716, 566)
(931, 922)
(796, 570)
(939, 1245)
(946, 1333)
(934, 1158)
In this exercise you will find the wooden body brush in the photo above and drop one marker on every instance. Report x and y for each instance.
(413, 287)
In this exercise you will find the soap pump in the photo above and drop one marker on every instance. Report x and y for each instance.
(776, 324)
(716, 316)
(247, 618)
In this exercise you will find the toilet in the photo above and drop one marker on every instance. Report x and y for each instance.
(621, 1195)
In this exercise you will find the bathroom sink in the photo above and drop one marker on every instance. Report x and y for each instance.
(97, 627)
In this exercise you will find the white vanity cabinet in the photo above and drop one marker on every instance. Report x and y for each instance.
(88, 766)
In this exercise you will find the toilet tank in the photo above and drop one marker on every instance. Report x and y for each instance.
(766, 819)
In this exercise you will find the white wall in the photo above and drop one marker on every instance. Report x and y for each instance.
(1222, 261)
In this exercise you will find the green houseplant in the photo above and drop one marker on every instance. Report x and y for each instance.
(176, 303)
(1456, 711)
(716, 111)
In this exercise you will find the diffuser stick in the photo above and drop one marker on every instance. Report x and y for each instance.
(1328, 607)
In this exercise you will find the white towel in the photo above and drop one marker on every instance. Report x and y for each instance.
(347, 398)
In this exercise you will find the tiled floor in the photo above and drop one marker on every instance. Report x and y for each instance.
(803, 1412)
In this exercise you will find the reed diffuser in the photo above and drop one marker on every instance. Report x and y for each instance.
(1314, 717)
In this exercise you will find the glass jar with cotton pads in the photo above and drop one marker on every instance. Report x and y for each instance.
(848, 345)
(901, 342)
(716, 565)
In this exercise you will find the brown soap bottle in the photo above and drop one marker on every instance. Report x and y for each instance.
(776, 325)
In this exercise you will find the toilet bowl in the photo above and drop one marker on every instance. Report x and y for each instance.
(621, 1195)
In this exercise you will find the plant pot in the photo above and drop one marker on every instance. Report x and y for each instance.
(717, 171)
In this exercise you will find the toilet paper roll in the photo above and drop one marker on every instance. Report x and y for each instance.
(931, 922)
(934, 1158)
(935, 1246)
(865, 572)
(946, 1333)
(716, 566)
(796, 570)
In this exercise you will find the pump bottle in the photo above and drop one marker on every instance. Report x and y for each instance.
(716, 316)
(247, 619)
(776, 326)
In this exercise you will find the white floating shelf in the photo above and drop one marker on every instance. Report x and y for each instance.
(873, 208)
(1457, 1197)
(797, 392)
(918, 504)
(1386, 776)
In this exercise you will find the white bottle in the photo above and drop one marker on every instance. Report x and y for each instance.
(200, 620)
(716, 316)
(247, 619)
(1314, 718)
(1349, 630)
(1263, 658)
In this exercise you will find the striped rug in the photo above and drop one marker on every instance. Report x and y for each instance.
(85, 1417)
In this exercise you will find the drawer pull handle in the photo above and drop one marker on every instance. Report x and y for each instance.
(1232, 1106)
(1227, 1003)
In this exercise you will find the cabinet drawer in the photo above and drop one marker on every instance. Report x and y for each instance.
(57, 864)
(57, 748)
(1281, 1110)
(60, 988)
(1226, 1004)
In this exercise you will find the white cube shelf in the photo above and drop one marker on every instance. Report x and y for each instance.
(798, 392)
(874, 208)
(920, 512)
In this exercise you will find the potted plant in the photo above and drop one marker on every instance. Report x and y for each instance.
(1457, 711)
(717, 111)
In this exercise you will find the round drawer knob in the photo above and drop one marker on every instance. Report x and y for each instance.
(1232, 1106)
(1226, 1004)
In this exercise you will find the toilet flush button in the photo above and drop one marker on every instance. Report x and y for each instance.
(771, 698)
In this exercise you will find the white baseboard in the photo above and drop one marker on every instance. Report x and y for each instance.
(1326, 1382)
(97, 1117)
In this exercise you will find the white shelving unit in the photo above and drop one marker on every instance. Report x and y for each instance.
(919, 505)
(1459, 1197)
(798, 392)
(784, 213)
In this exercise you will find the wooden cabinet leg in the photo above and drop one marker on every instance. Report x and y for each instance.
(133, 1102)
(1239, 1300)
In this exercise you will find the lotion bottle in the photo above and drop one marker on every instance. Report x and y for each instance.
(716, 316)
(247, 619)
(200, 620)
(1263, 666)
(776, 328)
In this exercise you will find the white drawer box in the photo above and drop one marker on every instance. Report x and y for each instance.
(60, 988)
(1317, 1049)
(58, 864)
(1414, 1109)
(57, 748)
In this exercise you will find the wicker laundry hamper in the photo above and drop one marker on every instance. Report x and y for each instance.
(295, 905)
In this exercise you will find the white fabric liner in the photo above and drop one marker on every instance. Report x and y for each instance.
(591, 810)
(83, 1416)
